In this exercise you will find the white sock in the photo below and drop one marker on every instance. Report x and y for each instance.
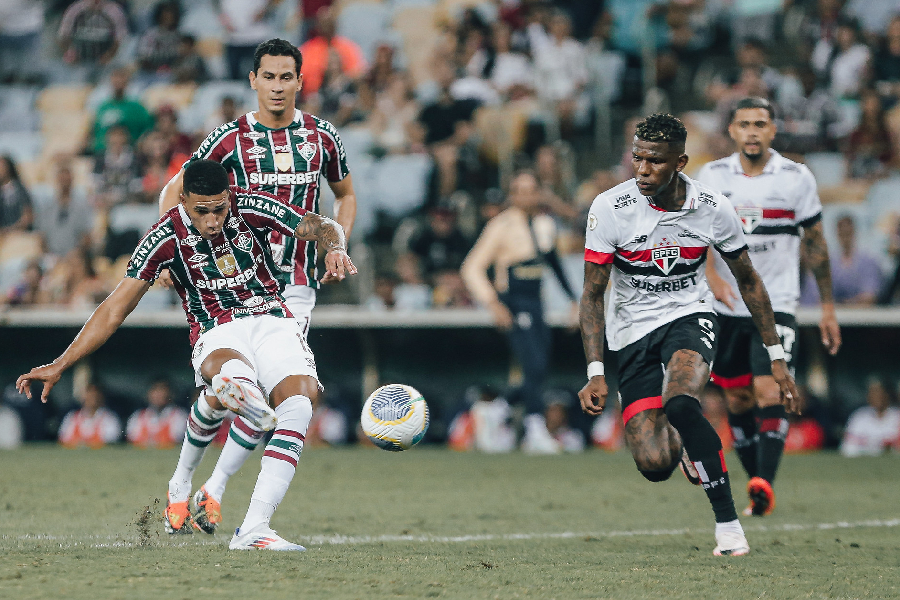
(279, 460)
(243, 438)
(730, 527)
(203, 424)
(238, 369)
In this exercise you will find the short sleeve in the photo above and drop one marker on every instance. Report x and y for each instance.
(153, 253)
(265, 211)
(335, 166)
(601, 237)
(809, 208)
(728, 234)
(217, 145)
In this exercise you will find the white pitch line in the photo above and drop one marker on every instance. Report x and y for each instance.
(117, 541)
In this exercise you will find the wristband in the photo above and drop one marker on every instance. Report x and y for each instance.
(776, 352)
(594, 369)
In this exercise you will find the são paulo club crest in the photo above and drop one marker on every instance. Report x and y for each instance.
(750, 217)
(665, 254)
(227, 264)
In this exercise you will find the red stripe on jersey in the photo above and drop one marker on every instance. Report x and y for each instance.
(280, 456)
(731, 382)
(689, 252)
(777, 213)
(640, 406)
(290, 433)
(600, 258)
(722, 458)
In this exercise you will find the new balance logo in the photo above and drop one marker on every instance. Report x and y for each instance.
(639, 239)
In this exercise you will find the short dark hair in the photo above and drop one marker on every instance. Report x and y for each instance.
(752, 102)
(277, 47)
(205, 178)
(661, 127)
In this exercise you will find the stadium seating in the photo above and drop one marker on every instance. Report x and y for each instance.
(366, 24)
(829, 168)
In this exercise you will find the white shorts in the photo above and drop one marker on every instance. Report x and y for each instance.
(275, 347)
(300, 299)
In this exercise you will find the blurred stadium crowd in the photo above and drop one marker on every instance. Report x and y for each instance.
(437, 102)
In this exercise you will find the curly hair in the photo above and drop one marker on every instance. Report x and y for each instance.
(661, 127)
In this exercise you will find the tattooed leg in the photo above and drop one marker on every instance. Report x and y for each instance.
(654, 444)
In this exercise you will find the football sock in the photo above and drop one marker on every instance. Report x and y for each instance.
(705, 449)
(743, 429)
(243, 438)
(203, 424)
(773, 428)
(279, 460)
(730, 526)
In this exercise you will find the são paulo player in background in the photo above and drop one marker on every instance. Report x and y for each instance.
(284, 151)
(243, 335)
(649, 236)
(779, 208)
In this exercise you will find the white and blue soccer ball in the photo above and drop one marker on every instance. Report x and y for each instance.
(395, 417)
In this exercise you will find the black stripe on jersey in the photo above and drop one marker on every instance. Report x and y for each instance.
(776, 230)
(734, 253)
(810, 221)
(653, 271)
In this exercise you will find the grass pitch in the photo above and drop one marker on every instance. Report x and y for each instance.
(430, 523)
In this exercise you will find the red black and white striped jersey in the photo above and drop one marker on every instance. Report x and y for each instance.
(657, 255)
(286, 162)
(773, 207)
(230, 277)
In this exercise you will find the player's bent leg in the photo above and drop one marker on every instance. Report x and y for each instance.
(655, 445)
(742, 421)
(772, 423)
(234, 382)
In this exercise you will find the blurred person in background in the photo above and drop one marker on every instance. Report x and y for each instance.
(509, 72)
(67, 223)
(869, 150)
(487, 424)
(158, 47)
(226, 112)
(886, 65)
(189, 66)
(394, 125)
(562, 437)
(27, 292)
(246, 24)
(119, 110)
(161, 424)
(318, 49)
(517, 244)
(21, 24)
(411, 291)
(842, 61)
(178, 144)
(12, 431)
(90, 34)
(806, 433)
(335, 99)
(93, 425)
(16, 210)
(608, 432)
(440, 245)
(117, 171)
(855, 274)
(873, 429)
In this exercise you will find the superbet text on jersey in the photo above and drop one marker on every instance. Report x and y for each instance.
(284, 162)
(772, 206)
(657, 255)
(227, 278)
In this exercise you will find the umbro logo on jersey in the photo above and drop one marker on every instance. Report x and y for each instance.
(197, 258)
(666, 255)
(307, 150)
(254, 135)
(191, 240)
(750, 216)
(256, 152)
(244, 242)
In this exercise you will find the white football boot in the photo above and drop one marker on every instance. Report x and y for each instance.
(261, 537)
(731, 541)
(244, 400)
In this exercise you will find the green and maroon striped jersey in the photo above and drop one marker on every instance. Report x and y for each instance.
(226, 278)
(286, 162)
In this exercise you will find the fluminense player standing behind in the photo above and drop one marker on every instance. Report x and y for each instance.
(649, 235)
(284, 151)
(779, 208)
(244, 337)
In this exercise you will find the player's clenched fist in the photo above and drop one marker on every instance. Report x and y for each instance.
(593, 395)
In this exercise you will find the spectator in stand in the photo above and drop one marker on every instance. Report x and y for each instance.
(843, 61)
(27, 292)
(119, 110)
(316, 52)
(811, 119)
(869, 149)
(90, 34)
(161, 424)
(328, 427)
(411, 292)
(873, 429)
(67, 223)
(605, 66)
(886, 65)
(382, 297)
(394, 125)
(450, 291)
(562, 437)
(751, 59)
(308, 9)
(556, 180)
(486, 426)
(247, 25)
(178, 144)
(608, 432)
(189, 66)
(21, 24)
(855, 275)
(92, 425)
(116, 169)
(336, 98)
(382, 70)
(227, 112)
(156, 165)
(441, 246)
(157, 49)
(16, 211)
(508, 72)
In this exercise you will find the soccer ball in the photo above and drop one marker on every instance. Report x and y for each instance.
(395, 417)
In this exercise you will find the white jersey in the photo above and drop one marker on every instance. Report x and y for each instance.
(772, 206)
(657, 256)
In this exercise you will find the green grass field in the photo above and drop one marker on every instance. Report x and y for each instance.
(430, 523)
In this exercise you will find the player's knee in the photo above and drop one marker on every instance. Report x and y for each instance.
(739, 400)
(683, 411)
(657, 475)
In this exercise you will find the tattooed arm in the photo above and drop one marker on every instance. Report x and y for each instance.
(330, 235)
(755, 296)
(816, 251)
(592, 319)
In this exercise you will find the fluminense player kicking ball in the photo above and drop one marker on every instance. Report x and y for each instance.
(779, 208)
(245, 339)
(649, 235)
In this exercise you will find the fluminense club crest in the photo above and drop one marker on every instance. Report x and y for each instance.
(307, 150)
(665, 254)
(750, 217)
(243, 241)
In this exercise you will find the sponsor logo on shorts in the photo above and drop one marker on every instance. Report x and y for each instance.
(665, 255)
(198, 348)
(750, 216)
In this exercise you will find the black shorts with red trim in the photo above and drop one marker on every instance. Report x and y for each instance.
(742, 355)
(642, 363)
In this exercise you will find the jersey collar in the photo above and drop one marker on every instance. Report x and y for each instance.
(691, 196)
(252, 122)
(773, 165)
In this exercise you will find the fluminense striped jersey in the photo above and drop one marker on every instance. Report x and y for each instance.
(657, 255)
(230, 277)
(287, 163)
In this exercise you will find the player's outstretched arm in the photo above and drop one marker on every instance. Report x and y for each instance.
(344, 203)
(756, 298)
(816, 249)
(330, 235)
(102, 324)
(592, 319)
